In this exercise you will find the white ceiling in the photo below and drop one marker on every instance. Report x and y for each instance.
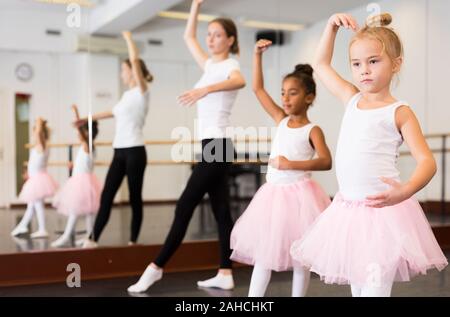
(26, 5)
(33, 5)
(286, 11)
(282, 11)
(289, 11)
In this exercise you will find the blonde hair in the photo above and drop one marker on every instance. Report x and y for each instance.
(377, 28)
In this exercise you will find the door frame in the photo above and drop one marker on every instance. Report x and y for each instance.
(4, 116)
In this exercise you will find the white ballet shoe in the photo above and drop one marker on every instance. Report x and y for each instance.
(89, 244)
(18, 231)
(148, 278)
(40, 234)
(61, 242)
(221, 281)
(79, 243)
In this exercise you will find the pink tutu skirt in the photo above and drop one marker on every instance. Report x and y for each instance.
(80, 195)
(39, 186)
(353, 244)
(278, 215)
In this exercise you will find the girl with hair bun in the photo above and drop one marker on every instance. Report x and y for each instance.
(80, 195)
(39, 185)
(283, 208)
(374, 232)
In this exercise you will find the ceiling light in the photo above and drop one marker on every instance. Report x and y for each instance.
(246, 23)
(273, 25)
(185, 16)
(84, 3)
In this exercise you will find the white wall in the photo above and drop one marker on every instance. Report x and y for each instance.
(425, 29)
(59, 81)
(62, 77)
(25, 31)
(175, 72)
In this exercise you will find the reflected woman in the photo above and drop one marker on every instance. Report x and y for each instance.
(130, 157)
(215, 95)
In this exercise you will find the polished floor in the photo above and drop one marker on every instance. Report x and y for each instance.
(434, 284)
(155, 226)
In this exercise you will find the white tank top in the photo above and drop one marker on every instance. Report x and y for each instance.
(37, 161)
(84, 163)
(368, 148)
(292, 143)
(214, 110)
(130, 113)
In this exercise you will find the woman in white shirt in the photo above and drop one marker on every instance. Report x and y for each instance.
(215, 95)
(130, 157)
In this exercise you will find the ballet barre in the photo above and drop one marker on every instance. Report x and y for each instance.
(157, 162)
(443, 150)
(70, 146)
(154, 142)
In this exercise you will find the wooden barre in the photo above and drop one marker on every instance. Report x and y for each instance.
(168, 162)
(172, 142)
(433, 151)
(437, 135)
(159, 162)
(153, 142)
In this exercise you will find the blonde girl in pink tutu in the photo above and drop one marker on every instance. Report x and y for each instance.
(39, 184)
(374, 232)
(80, 195)
(288, 203)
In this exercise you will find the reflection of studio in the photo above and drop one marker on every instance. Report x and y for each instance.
(205, 148)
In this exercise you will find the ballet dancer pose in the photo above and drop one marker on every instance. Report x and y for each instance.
(215, 95)
(283, 208)
(130, 157)
(374, 232)
(80, 195)
(39, 185)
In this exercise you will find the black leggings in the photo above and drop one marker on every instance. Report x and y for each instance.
(210, 176)
(132, 163)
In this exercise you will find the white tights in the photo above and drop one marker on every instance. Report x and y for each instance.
(72, 222)
(37, 206)
(261, 277)
(371, 291)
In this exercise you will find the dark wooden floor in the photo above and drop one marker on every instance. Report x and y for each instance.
(434, 284)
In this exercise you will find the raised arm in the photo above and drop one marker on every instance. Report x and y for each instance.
(95, 117)
(77, 117)
(75, 112)
(190, 35)
(264, 98)
(85, 141)
(41, 142)
(234, 81)
(133, 54)
(338, 86)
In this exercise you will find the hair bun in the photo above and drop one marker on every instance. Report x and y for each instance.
(304, 69)
(379, 20)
